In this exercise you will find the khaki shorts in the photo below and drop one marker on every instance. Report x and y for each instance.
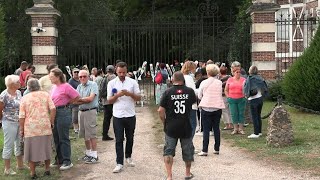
(88, 124)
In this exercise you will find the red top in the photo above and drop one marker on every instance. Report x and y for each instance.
(236, 87)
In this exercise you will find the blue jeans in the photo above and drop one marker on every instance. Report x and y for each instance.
(121, 126)
(211, 120)
(256, 107)
(61, 135)
(193, 121)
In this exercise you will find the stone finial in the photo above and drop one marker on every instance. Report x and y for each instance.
(280, 132)
(43, 7)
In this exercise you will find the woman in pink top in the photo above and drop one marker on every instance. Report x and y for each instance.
(62, 95)
(235, 98)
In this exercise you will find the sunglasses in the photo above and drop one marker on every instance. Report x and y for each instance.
(83, 76)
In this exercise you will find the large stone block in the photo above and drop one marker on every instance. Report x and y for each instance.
(280, 132)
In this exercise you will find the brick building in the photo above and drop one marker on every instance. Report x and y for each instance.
(281, 30)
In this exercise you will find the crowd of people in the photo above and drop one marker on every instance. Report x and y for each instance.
(36, 113)
(200, 95)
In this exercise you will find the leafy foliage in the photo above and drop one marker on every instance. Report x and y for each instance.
(240, 36)
(275, 90)
(301, 85)
(15, 26)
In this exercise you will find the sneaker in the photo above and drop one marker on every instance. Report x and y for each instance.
(130, 162)
(199, 133)
(84, 158)
(202, 153)
(108, 138)
(196, 151)
(66, 167)
(9, 172)
(246, 124)
(76, 131)
(54, 165)
(253, 136)
(92, 160)
(118, 168)
(216, 152)
(211, 133)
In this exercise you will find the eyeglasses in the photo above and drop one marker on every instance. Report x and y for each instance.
(83, 76)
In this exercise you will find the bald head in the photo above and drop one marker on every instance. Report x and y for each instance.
(178, 78)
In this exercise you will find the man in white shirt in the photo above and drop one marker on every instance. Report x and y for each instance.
(122, 93)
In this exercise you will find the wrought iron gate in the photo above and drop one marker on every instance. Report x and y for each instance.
(99, 42)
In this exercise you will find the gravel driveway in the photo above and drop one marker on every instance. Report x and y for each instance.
(232, 163)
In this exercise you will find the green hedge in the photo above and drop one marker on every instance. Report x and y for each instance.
(301, 85)
(275, 90)
(2, 85)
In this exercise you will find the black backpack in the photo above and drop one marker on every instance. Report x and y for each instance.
(103, 86)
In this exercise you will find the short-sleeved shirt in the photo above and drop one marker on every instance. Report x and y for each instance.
(45, 83)
(11, 106)
(18, 71)
(35, 108)
(85, 90)
(178, 101)
(74, 83)
(125, 105)
(23, 77)
(62, 94)
(235, 88)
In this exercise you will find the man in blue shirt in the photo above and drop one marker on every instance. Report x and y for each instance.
(88, 91)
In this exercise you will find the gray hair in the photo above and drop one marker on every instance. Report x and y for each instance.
(212, 70)
(178, 77)
(33, 85)
(235, 64)
(11, 79)
(253, 70)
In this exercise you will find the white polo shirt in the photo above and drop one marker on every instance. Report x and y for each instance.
(125, 105)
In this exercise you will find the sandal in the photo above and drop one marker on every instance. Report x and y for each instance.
(189, 177)
(242, 132)
(234, 132)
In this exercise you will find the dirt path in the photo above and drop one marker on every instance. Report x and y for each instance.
(232, 163)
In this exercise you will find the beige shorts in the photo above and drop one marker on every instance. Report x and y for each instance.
(88, 124)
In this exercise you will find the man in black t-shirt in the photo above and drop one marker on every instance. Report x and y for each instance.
(174, 112)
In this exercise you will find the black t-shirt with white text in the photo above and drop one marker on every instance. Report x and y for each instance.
(177, 102)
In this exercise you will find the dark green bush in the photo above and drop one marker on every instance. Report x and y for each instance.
(301, 85)
(275, 90)
(2, 85)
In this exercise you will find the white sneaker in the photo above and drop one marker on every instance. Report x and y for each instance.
(66, 167)
(130, 162)
(196, 151)
(202, 153)
(118, 168)
(199, 133)
(253, 136)
(9, 172)
(211, 133)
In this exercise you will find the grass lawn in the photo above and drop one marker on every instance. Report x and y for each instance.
(303, 154)
(76, 150)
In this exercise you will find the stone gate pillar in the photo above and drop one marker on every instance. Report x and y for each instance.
(263, 37)
(44, 34)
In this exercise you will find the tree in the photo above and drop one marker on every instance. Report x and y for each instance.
(301, 85)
